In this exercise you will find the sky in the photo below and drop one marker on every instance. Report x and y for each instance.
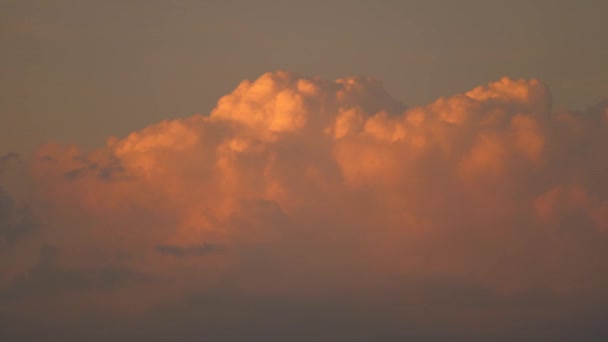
(79, 71)
(303, 171)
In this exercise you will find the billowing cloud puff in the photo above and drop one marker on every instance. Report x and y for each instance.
(311, 204)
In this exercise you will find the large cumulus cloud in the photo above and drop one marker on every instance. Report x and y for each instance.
(331, 210)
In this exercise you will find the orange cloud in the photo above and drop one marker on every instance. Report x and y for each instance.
(304, 187)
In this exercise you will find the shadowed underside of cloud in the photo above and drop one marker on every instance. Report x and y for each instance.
(302, 208)
(9, 157)
(15, 220)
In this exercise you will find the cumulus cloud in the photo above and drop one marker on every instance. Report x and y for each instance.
(479, 214)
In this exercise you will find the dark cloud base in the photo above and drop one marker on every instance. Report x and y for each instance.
(226, 317)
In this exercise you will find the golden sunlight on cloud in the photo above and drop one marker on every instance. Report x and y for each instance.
(301, 187)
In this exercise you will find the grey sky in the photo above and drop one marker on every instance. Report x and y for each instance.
(79, 71)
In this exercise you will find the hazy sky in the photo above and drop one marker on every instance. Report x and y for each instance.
(312, 171)
(79, 71)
